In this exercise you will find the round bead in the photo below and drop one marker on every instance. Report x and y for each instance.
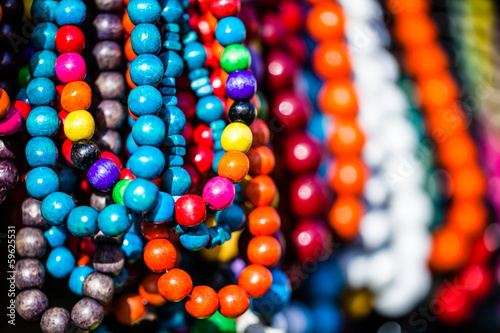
(132, 246)
(60, 262)
(75, 96)
(147, 162)
(175, 285)
(70, 12)
(109, 259)
(41, 151)
(84, 154)
(42, 121)
(103, 174)
(41, 92)
(110, 114)
(31, 214)
(276, 299)
(144, 100)
(148, 130)
(234, 165)
(256, 280)
(203, 302)
(233, 300)
(235, 57)
(262, 161)
(225, 8)
(55, 320)
(260, 191)
(264, 220)
(146, 39)
(56, 207)
(82, 221)
(129, 308)
(30, 242)
(209, 108)
(264, 250)
(41, 181)
(172, 63)
(79, 125)
(172, 11)
(230, 30)
(195, 238)
(108, 26)
(325, 20)
(163, 210)
(29, 273)
(154, 230)
(143, 11)
(31, 303)
(301, 153)
(87, 314)
(241, 85)
(243, 112)
(110, 85)
(219, 193)
(159, 255)
(174, 118)
(109, 5)
(70, 67)
(194, 55)
(98, 286)
(190, 210)
(233, 216)
(236, 136)
(11, 122)
(4, 103)
(140, 195)
(113, 220)
(119, 190)
(176, 181)
(44, 35)
(108, 55)
(42, 64)
(69, 39)
(109, 140)
(146, 69)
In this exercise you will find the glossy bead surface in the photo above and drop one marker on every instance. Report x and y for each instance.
(41, 181)
(234, 165)
(209, 108)
(233, 301)
(42, 64)
(174, 120)
(235, 57)
(119, 190)
(190, 210)
(41, 151)
(256, 280)
(84, 154)
(110, 85)
(82, 221)
(79, 125)
(147, 162)
(264, 220)
(260, 191)
(326, 21)
(87, 314)
(148, 130)
(41, 92)
(203, 302)
(159, 255)
(56, 207)
(242, 111)
(31, 303)
(154, 230)
(236, 136)
(30, 242)
(176, 181)
(147, 69)
(42, 121)
(172, 63)
(60, 262)
(29, 273)
(143, 11)
(75, 96)
(307, 196)
(277, 298)
(301, 153)
(241, 85)
(219, 193)
(108, 26)
(140, 195)
(113, 220)
(194, 55)
(175, 285)
(11, 122)
(69, 39)
(55, 320)
(264, 250)
(70, 12)
(70, 67)
(144, 100)
(230, 30)
(195, 238)
(109, 114)
(43, 36)
(146, 39)
(225, 8)
(98, 286)
(262, 161)
(103, 174)
(163, 209)
(132, 246)
(56, 236)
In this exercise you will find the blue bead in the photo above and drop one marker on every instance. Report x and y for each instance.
(174, 141)
(148, 130)
(171, 36)
(119, 282)
(173, 64)
(171, 27)
(144, 11)
(76, 278)
(299, 318)
(163, 210)
(168, 91)
(209, 108)
(41, 181)
(189, 37)
(60, 262)
(327, 317)
(146, 69)
(174, 120)
(43, 64)
(44, 10)
(146, 38)
(136, 219)
(216, 135)
(172, 45)
(174, 160)
(41, 92)
(176, 181)
(168, 81)
(140, 195)
(113, 220)
(217, 157)
(131, 121)
(82, 221)
(276, 299)
(56, 207)
(195, 238)
(68, 181)
(56, 236)
(326, 283)
(130, 144)
(230, 30)
(195, 55)
(43, 36)
(147, 162)
(180, 151)
(200, 82)
(169, 101)
(71, 12)
(233, 216)
(172, 10)
(41, 151)
(132, 246)
(42, 121)
(22, 96)
(218, 125)
(197, 73)
(217, 145)
(144, 100)
(206, 90)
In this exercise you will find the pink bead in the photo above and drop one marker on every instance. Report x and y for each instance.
(70, 67)
(11, 123)
(219, 193)
(312, 239)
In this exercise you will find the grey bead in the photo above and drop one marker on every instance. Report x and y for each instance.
(109, 5)
(31, 213)
(109, 259)
(109, 140)
(98, 286)
(87, 314)
(29, 273)
(111, 85)
(110, 114)
(99, 200)
(55, 320)
(108, 55)
(30, 242)
(9, 175)
(9, 148)
(101, 239)
(108, 26)
(31, 303)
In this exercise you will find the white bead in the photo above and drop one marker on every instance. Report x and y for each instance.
(375, 229)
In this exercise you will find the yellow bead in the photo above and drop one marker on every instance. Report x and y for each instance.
(79, 125)
(236, 136)
(224, 252)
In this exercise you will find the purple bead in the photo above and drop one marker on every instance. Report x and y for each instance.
(241, 85)
(103, 174)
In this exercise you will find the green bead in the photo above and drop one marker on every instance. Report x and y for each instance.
(119, 190)
(235, 57)
(24, 77)
(215, 324)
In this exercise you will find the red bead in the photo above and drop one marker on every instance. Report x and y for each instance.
(264, 250)
(312, 240)
(260, 191)
(203, 302)
(307, 196)
(159, 255)
(69, 38)
(477, 281)
(233, 300)
(260, 133)
(256, 280)
(187, 103)
(193, 173)
(302, 154)
(175, 285)
(112, 157)
(23, 108)
(218, 82)
(202, 135)
(273, 32)
(291, 111)
(281, 69)
(66, 150)
(224, 8)
(187, 133)
(264, 220)
(454, 306)
(262, 161)
(155, 230)
(201, 157)
(190, 210)
(291, 15)
(126, 174)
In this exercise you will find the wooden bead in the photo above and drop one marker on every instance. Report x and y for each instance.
(190, 210)
(129, 308)
(75, 96)
(175, 285)
(4, 103)
(234, 165)
(79, 125)
(69, 38)
(264, 220)
(70, 67)
(159, 255)
(264, 250)
(262, 161)
(256, 280)
(260, 191)
(203, 302)
(233, 300)
(236, 136)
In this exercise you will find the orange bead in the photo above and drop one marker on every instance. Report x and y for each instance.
(468, 182)
(175, 285)
(233, 165)
(262, 160)
(414, 30)
(347, 138)
(407, 7)
(331, 60)
(129, 52)
(264, 220)
(438, 90)
(260, 133)
(203, 302)
(348, 176)
(4, 103)
(264, 250)
(345, 215)
(256, 280)
(326, 20)
(129, 308)
(444, 122)
(426, 60)
(457, 150)
(128, 26)
(449, 250)
(159, 255)
(131, 84)
(338, 98)
(76, 95)
(260, 191)
(217, 49)
(467, 217)
(148, 289)
(233, 300)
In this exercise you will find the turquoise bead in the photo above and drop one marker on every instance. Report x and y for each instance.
(43, 64)
(56, 207)
(56, 236)
(205, 90)
(209, 109)
(76, 278)
(173, 64)
(68, 181)
(171, 10)
(197, 73)
(41, 181)
(131, 121)
(171, 36)
(180, 151)
(171, 27)
(146, 38)
(173, 160)
(189, 37)
(195, 238)
(41, 92)
(163, 210)
(144, 100)
(140, 195)
(132, 246)
(144, 11)
(146, 69)
(218, 125)
(230, 30)
(172, 45)
(130, 144)
(43, 36)
(174, 141)
(176, 181)
(148, 130)
(233, 216)
(276, 299)
(217, 157)
(169, 101)
(42, 121)
(147, 162)
(195, 55)
(71, 12)
(60, 262)
(174, 119)
(44, 10)
(136, 219)
(82, 221)
(41, 151)
(168, 81)
(113, 220)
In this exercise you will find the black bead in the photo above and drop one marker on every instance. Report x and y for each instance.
(242, 111)
(13, 10)
(85, 154)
